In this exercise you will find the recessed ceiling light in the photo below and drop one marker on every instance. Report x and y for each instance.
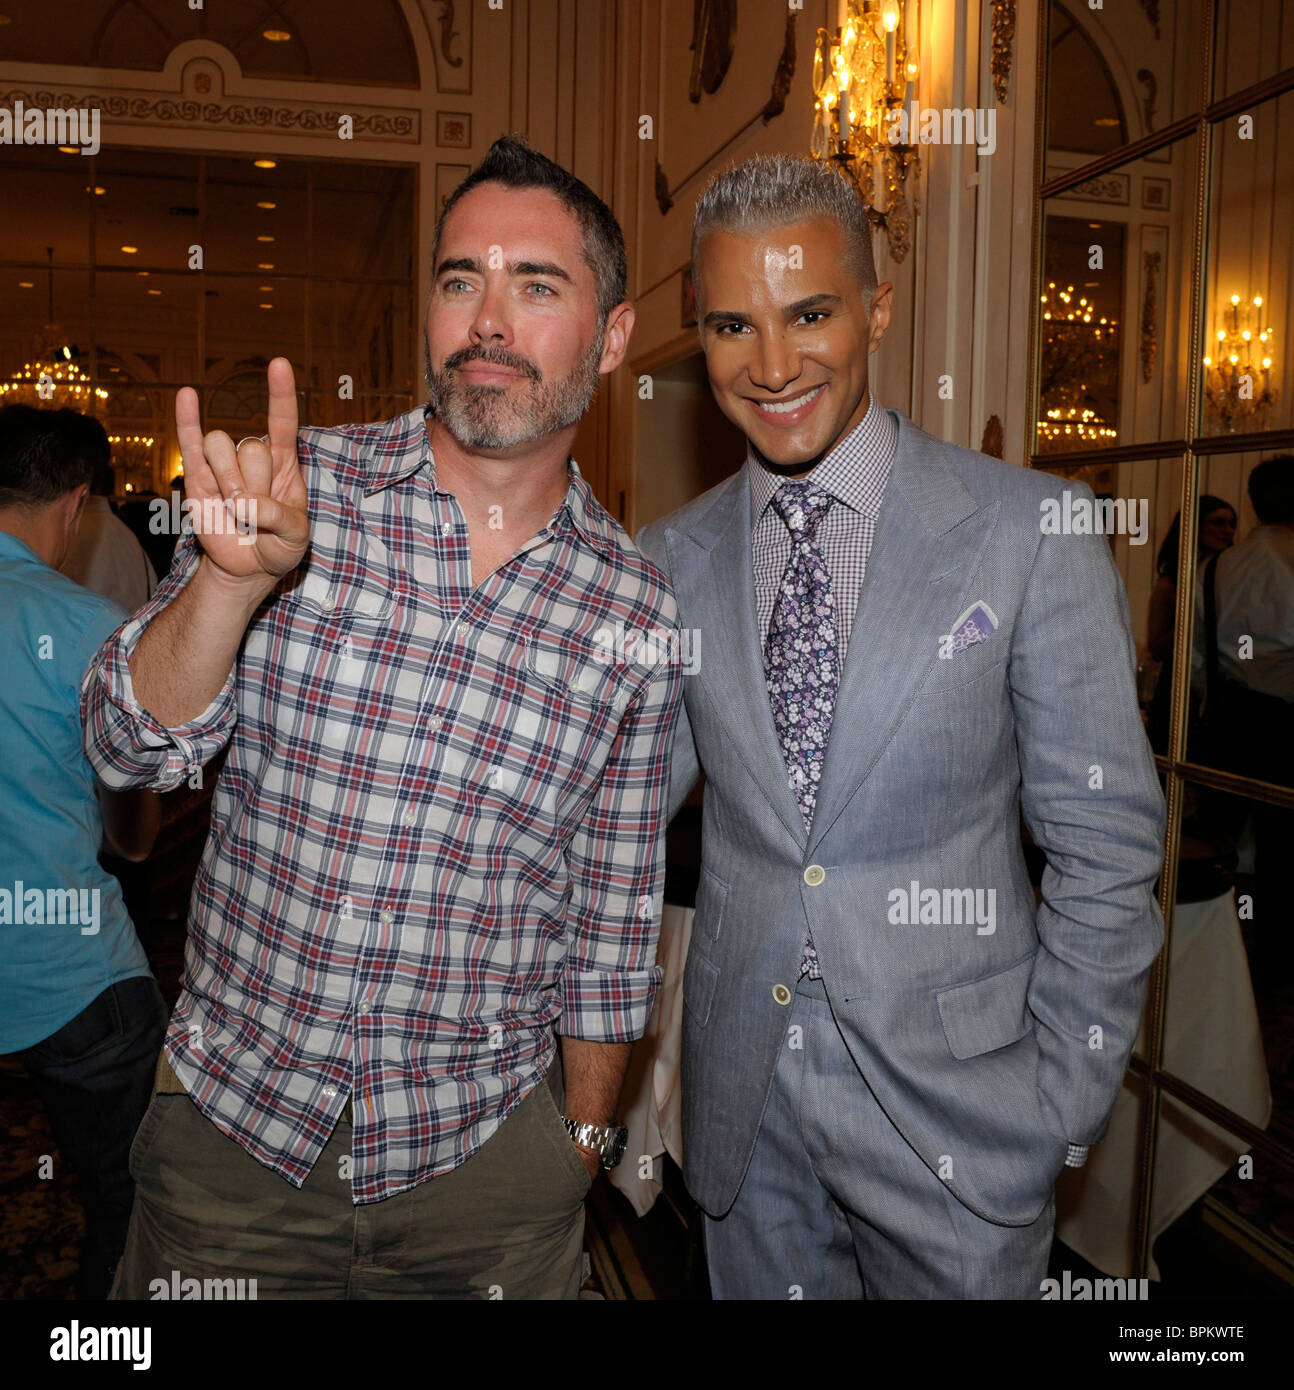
(154, 291)
(266, 289)
(266, 163)
(69, 149)
(264, 238)
(26, 285)
(268, 206)
(267, 306)
(131, 250)
(141, 272)
(265, 265)
(1106, 121)
(276, 35)
(98, 190)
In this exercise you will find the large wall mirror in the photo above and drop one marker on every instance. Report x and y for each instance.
(1162, 379)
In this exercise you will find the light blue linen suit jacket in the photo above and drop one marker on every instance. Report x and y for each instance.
(989, 1050)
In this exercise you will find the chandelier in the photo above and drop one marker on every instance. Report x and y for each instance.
(52, 377)
(1080, 355)
(1237, 382)
(864, 76)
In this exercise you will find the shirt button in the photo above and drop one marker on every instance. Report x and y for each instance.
(410, 817)
(781, 994)
(434, 722)
(365, 1006)
(463, 629)
(814, 875)
(330, 1091)
(327, 603)
(446, 528)
(386, 917)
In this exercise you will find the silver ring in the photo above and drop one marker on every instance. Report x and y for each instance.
(260, 439)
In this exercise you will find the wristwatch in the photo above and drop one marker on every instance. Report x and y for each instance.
(607, 1141)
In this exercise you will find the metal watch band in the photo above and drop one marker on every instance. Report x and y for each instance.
(607, 1141)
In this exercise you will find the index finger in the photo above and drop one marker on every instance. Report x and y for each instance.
(282, 412)
(188, 431)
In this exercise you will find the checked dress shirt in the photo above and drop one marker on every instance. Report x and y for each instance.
(438, 834)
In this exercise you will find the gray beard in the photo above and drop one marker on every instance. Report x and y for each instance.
(493, 417)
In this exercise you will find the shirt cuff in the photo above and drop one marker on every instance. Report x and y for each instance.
(140, 741)
(1077, 1155)
(608, 1005)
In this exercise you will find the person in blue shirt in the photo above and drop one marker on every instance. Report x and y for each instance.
(79, 1007)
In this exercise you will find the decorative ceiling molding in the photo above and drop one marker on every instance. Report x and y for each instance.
(292, 118)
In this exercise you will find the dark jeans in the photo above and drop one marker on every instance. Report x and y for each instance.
(95, 1078)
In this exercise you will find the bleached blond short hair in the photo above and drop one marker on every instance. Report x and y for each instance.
(774, 190)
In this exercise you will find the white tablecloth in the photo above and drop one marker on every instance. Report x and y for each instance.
(651, 1106)
(1211, 1041)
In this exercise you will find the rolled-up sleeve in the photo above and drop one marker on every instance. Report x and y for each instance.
(126, 746)
(617, 868)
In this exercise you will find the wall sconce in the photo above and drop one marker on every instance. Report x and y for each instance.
(1237, 376)
(862, 77)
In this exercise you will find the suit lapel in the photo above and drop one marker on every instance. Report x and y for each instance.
(714, 579)
(928, 534)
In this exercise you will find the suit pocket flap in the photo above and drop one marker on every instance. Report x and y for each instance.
(986, 1014)
(699, 980)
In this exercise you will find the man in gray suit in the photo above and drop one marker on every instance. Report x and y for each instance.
(890, 1047)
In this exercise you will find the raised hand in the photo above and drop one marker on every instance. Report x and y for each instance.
(249, 500)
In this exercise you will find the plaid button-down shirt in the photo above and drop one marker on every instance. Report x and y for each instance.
(437, 838)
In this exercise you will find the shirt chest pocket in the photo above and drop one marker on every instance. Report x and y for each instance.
(561, 725)
(579, 677)
(337, 623)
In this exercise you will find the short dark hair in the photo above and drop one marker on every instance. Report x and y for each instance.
(1271, 489)
(512, 163)
(87, 438)
(39, 460)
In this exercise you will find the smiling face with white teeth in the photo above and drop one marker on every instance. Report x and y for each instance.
(787, 332)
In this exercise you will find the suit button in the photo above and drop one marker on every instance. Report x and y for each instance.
(781, 994)
(814, 875)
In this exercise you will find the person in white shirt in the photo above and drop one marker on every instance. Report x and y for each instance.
(1254, 587)
(1247, 688)
(105, 556)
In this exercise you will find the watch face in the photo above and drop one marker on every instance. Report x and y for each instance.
(616, 1147)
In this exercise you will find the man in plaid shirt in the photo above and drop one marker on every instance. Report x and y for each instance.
(437, 840)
